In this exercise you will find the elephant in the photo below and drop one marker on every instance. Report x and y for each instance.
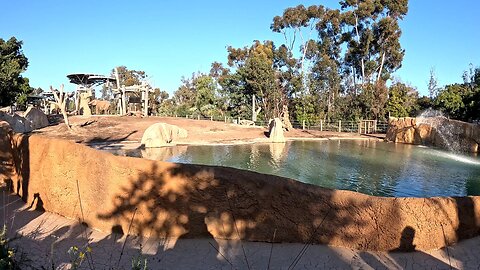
(100, 106)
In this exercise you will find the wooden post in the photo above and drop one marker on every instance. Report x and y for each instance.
(254, 114)
(124, 100)
(238, 120)
(303, 124)
(145, 104)
(339, 125)
(211, 118)
(321, 125)
(360, 127)
(198, 117)
(225, 119)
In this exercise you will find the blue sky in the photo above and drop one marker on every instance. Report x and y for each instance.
(171, 39)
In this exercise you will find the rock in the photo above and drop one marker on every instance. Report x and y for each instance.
(84, 100)
(423, 134)
(38, 119)
(161, 134)
(437, 131)
(17, 123)
(275, 131)
(245, 122)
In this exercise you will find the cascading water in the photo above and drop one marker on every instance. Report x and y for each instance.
(448, 133)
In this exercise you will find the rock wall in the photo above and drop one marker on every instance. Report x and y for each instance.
(180, 200)
(436, 131)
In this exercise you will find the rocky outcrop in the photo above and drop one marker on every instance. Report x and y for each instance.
(16, 122)
(158, 199)
(84, 107)
(38, 119)
(275, 131)
(437, 131)
(161, 134)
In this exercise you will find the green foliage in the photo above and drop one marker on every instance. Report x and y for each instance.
(305, 111)
(7, 254)
(13, 87)
(77, 256)
(423, 103)
(129, 77)
(451, 100)
(205, 95)
(139, 263)
(402, 100)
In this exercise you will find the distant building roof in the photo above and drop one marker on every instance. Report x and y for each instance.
(88, 80)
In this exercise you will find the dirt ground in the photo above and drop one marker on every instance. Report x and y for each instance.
(130, 129)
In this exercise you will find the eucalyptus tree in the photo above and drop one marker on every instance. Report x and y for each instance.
(259, 69)
(372, 34)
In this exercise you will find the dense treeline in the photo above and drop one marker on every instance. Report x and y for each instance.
(334, 64)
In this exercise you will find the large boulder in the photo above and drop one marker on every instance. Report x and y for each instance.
(161, 134)
(17, 123)
(38, 119)
(84, 103)
(275, 131)
(438, 131)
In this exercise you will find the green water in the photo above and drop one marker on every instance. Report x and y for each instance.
(375, 168)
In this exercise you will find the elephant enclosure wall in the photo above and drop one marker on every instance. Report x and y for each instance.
(163, 199)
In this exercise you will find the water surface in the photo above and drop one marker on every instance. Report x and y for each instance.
(370, 167)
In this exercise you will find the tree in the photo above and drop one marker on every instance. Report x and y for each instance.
(130, 77)
(155, 99)
(373, 38)
(259, 68)
(13, 87)
(184, 97)
(433, 84)
(450, 100)
(205, 98)
(61, 102)
(402, 100)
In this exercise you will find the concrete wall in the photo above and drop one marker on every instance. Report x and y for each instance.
(464, 136)
(165, 199)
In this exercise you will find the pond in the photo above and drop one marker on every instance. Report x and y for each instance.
(370, 167)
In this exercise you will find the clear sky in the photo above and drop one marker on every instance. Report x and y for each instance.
(171, 39)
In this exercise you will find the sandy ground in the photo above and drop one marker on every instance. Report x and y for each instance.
(42, 241)
(130, 129)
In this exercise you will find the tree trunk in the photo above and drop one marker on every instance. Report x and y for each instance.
(381, 67)
(62, 104)
(358, 40)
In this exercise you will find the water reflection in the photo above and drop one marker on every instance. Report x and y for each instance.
(163, 153)
(370, 167)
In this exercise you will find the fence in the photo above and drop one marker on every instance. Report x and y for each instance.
(362, 126)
